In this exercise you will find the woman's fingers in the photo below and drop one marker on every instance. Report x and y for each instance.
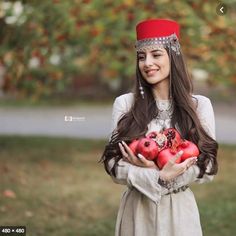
(127, 148)
(142, 159)
(129, 156)
(124, 153)
(127, 153)
(178, 155)
(187, 163)
(145, 162)
(190, 161)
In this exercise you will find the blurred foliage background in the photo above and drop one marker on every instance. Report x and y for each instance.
(85, 47)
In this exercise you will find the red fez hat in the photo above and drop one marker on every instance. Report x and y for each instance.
(158, 32)
(156, 28)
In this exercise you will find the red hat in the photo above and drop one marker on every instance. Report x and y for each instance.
(156, 28)
(158, 32)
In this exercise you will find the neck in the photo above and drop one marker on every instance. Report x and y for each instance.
(161, 90)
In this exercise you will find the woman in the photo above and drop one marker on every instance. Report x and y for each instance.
(159, 202)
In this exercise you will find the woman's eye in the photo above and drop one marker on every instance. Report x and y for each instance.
(141, 58)
(156, 55)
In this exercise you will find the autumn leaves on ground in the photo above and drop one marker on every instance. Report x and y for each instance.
(57, 187)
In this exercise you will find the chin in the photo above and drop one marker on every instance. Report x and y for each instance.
(153, 80)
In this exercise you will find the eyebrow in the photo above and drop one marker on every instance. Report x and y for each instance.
(156, 50)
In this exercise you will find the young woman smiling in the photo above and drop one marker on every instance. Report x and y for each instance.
(160, 202)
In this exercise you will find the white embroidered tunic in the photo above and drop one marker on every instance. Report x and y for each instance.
(146, 208)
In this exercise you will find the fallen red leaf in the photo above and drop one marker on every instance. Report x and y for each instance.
(9, 193)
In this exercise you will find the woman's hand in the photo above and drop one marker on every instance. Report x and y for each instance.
(171, 169)
(139, 160)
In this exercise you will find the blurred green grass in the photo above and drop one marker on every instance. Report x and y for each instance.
(61, 189)
(55, 102)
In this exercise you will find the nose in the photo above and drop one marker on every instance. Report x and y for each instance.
(148, 60)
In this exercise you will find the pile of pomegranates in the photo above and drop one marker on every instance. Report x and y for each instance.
(162, 146)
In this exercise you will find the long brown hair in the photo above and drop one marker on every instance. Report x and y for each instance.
(134, 123)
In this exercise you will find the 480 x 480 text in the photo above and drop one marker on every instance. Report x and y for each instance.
(12, 230)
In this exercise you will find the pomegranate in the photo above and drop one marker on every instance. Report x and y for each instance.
(148, 148)
(152, 135)
(165, 155)
(173, 138)
(159, 138)
(189, 148)
(133, 146)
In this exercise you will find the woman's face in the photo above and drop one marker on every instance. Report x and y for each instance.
(154, 65)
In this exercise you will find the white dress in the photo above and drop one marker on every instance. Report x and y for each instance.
(147, 208)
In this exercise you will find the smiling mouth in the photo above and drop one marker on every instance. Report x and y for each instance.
(151, 72)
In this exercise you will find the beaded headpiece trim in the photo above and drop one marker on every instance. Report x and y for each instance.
(152, 43)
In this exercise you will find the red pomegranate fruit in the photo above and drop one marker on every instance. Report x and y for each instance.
(159, 138)
(152, 135)
(148, 148)
(173, 137)
(133, 146)
(161, 141)
(164, 156)
(189, 149)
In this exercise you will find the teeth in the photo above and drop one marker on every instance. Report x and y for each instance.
(151, 70)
